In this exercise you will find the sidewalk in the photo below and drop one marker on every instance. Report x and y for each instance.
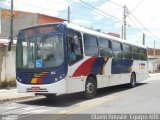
(154, 74)
(12, 94)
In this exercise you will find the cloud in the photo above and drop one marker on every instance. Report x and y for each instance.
(81, 22)
(51, 7)
(146, 13)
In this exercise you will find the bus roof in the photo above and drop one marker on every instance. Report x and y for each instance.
(92, 32)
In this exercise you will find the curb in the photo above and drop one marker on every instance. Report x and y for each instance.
(153, 75)
(16, 99)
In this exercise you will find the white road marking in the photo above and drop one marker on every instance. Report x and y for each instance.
(27, 109)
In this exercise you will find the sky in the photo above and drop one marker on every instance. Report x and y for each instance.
(107, 15)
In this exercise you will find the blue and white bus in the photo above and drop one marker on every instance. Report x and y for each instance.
(63, 58)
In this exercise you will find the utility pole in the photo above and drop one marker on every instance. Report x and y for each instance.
(11, 27)
(69, 14)
(144, 39)
(124, 21)
(154, 47)
(122, 32)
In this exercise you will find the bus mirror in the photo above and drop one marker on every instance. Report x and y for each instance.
(9, 46)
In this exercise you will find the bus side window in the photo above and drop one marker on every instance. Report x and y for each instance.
(142, 54)
(74, 41)
(135, 52)
(117, 49)
(90, 45)
(104, 47)
(127, 51)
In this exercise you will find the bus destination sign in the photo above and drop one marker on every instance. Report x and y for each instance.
(44, 29)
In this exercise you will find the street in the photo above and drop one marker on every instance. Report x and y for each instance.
(142, 99)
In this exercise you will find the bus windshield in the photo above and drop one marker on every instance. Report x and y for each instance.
(40, 51)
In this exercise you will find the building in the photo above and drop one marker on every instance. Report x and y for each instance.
(154, 59)
(21, 20)
(114, 34)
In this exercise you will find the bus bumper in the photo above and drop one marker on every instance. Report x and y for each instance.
(54, 88)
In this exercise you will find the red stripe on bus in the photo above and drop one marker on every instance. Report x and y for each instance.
(39, 80)
(85, 68)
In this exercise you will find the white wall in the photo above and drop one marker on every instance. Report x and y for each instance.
(8, 73)
(152, 65)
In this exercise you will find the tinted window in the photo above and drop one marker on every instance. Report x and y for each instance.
(117, 49)
(126, 48)
(104, 47)
(134, 49)
(74, 43)
(90, 45)
(143, 54)
(127, 51)
(141, 51)
(90, 40)
(103, 43)
(116, 46)
(135, 52)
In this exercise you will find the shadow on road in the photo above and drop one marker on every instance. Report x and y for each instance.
(71, 99)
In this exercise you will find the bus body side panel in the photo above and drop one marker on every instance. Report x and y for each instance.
(120, 71)
(76, 83)
(78, 73)
(141, 69)
(107, 74)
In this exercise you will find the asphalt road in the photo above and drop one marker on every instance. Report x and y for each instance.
(144, 98)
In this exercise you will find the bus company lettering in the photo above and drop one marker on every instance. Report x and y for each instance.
(40, 30)
(46, 29)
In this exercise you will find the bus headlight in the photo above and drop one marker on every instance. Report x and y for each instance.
(56, 79)
(60, 77)
(19, 79)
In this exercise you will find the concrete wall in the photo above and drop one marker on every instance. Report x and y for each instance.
(152, 65)
(7, 67)
(21, 20)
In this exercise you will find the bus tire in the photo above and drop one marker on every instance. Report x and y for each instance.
(90, 88)
(132, 80)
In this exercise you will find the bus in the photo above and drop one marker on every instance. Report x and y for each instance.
(63, 58)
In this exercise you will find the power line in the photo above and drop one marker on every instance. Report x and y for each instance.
(55, 1)
(97, 12)
(137, 5)
(101, 11)
(138, 30)
(80, 4)
(115, 3)
(134, 30)
(36, 6)
(135, 25)
(144, 27)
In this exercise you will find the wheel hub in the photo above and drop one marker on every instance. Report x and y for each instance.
(90, 87)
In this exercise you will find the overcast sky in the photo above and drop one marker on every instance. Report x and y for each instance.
(145, 11)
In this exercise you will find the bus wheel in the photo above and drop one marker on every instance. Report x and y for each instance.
(90, 88)
(132, 80)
